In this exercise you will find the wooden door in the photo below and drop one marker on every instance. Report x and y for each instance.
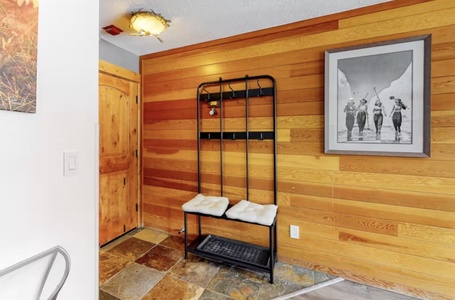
(118, 118)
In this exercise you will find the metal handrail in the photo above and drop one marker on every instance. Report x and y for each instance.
(53, 253)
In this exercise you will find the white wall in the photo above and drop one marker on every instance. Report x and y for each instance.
(118, 56)
(39, 207)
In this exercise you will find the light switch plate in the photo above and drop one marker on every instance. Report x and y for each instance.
(70, 163)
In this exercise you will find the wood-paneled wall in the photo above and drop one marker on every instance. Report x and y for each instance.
(385, 221)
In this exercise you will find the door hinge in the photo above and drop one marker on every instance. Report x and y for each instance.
(137, 207)
(124, 180)
(137, 153)
(137, 101)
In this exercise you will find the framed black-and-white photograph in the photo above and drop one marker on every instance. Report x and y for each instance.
(377, 98)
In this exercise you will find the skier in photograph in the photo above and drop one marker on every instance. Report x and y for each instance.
(362, 112)
(350, 111)
(378, 116)
(396, 115)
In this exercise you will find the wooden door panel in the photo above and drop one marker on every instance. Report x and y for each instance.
(118, 117)
(114, 121)
(114, 163)
(113, 205)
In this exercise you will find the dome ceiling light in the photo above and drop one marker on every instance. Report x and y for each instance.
(148, 23)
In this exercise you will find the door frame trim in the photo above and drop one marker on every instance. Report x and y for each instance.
(111, 69)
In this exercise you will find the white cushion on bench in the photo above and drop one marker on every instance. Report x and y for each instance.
(253, 212)
(209, 205)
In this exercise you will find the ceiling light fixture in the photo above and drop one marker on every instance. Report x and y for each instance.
(148, 23)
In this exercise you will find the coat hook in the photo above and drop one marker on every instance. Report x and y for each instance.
(208, 94)
(213, 111)
(233, 92)
(260, 89)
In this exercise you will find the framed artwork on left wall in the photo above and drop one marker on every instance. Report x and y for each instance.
(18, 55)
(377, 98)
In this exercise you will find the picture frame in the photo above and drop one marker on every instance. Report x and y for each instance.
(377, 98)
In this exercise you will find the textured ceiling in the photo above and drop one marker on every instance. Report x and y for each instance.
(204, 20)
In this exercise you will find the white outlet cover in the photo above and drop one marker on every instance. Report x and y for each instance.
(294, 232)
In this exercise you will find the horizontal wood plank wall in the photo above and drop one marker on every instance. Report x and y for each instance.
(384, 221)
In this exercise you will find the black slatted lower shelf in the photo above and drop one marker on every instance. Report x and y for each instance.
(231, 251)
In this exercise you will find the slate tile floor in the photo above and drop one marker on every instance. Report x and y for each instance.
(148, 264)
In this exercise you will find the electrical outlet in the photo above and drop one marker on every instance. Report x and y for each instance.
(294, 230)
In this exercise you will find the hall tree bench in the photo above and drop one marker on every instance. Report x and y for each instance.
(218, 248)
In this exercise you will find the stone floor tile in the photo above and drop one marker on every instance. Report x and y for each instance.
(320, 277)
(174, 242)
(151, 235)
(171, 288)
(133, 282)
(287, 274)
(107, 296)
(160, 258)
(259, 277)
(210, 295)
(270, 291)
(232, 283)
(109, 265)
(195, 270)
(132, 248)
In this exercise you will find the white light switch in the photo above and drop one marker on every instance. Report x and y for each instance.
(70, 163)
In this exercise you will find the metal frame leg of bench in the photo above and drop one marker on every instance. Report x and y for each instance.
(272, 252)
(186, 234)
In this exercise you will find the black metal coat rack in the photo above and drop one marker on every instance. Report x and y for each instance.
(219, 248)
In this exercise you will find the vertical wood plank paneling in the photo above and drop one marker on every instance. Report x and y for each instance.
(385, 221)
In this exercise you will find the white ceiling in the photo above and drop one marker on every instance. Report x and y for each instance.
(196, 21)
